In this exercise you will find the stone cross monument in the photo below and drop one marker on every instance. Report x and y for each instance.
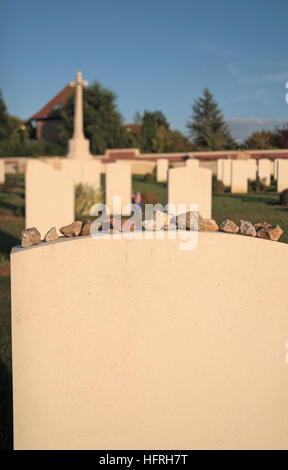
(78, 145)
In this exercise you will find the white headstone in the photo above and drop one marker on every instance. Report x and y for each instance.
(49, 198)
(192, 163)
(252, 169)
(219, 172)
(190, 186)
(282, 175)
(162, 169)
(85, 172)
(118, 183)
(264, 170)
(239, 176)
(224, 171)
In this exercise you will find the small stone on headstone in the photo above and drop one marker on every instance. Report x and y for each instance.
(149, 224)
(247, 228)
(268, 232)
(189, 221)
(72, 230)
(30, 236)
(209, 225)
(228, 226)
(51, 235)
(86, 228)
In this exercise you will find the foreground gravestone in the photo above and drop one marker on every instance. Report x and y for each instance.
(49, 197)
(282, 175)
(118, 183)
(85, 172)
(169, 367)
(264, 170)
(190, 186)
(239, 176)
(162, 169)
(2, 170)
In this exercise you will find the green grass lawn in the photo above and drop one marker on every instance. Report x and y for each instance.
(256, 207)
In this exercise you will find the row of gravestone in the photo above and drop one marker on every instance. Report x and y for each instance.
(235, 173)
(50, 192)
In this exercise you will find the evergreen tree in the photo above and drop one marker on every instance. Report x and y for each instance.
(208, 128)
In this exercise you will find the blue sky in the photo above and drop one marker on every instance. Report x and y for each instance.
(153, 54)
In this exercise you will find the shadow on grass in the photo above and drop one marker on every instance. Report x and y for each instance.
(263, 198)
(13, 208)
(7, 242)
(6, 408)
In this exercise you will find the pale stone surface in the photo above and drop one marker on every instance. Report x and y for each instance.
(282, 175)
(2, 170)
(275, 169)
(30, 236)
(118, 183)
(247, 228)
(264, 170)
(85, 172)
(49, 197)
(239, 176)
(190, 186)
(51, 235)
(219, 170)
(228, 226)
(78, 145)
(72, 230)
(268, 231)
(192, 163)
(138, 167)
(252, 169)
(134, 344)
(162, 169)
(224, 171)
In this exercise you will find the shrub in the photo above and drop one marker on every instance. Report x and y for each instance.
(284, 198)
(255, 186)
(85, 197)
(217, 186)
(149, 178)
(149, 198)
(16, 148)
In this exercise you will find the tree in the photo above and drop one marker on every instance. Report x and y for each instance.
(259, 140)
(280, 137)
(4, 120)
(103, 124)
(207, 127)
(11, 127)
(151, 122)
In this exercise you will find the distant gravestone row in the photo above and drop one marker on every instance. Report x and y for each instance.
(235, 173)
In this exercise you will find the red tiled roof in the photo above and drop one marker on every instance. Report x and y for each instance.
(51, 109)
